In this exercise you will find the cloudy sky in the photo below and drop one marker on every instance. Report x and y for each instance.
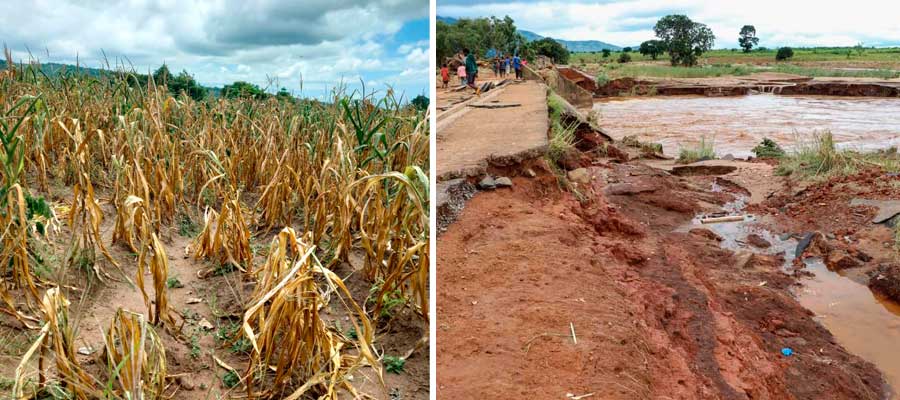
(630, 22)
(321, 42)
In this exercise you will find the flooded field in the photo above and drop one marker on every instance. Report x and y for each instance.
(737, 124)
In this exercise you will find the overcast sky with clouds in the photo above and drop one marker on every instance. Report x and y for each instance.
(630, 22)
(220, 41)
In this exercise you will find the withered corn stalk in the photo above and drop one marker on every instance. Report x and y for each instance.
(136, 356)
(225, 237)
(288, 335)
(57, 338)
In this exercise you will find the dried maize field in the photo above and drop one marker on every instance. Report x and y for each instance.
(153, 246)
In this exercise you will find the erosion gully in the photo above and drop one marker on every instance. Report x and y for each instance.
(861, 321)
(738, 123)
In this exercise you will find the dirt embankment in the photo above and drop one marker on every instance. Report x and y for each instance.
(714, 87)
(541, 295)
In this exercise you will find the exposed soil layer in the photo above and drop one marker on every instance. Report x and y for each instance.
(540, 295)
(714, 87)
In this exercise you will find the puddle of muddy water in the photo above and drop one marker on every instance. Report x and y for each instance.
(862, 322)
(739, 123)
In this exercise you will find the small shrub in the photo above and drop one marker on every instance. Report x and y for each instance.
(173, 283)
(705, 150)
(394, 364)
(602, 79)
(820, 157)
(768, 149)
(562, 137)
(231, 379)
(624, 58)
(784, 53)
(187, 227)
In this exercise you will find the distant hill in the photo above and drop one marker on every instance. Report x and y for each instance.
(52, 69)
(575, 45)
(572, 45)
(55, 69)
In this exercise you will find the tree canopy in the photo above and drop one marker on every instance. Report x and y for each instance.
(479, 35)
(784, 53)
(685, 40)
(184, 82)
(550, 48)
(243, 89)
(420, 102)
(652, 48)
(747, 38)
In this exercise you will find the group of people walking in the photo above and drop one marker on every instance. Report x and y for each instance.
(503, 64)
(468, 70)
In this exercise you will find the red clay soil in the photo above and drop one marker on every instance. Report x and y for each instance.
(846, 229)
(656, 314)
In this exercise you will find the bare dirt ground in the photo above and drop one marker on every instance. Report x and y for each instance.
(541, 295)
(206, 304)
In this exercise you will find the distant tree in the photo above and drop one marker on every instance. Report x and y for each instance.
(243, 89)
(479, 35)
(606, 53)
(420, 102)
(284, 94)
(748, 38)
(685, 40)
(784, 53)
(162, 75)
(550, 48)
(652, 48)
(624, 58)
(626, 50)
(860, 50)
(184, 82)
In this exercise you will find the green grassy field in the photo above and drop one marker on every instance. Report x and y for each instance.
(837, 55)
(817, 62)
(615, 70)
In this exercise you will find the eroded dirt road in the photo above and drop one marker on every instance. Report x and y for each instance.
(541, 295)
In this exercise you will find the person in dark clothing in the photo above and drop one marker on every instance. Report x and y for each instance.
(471, 70)
(517, 65)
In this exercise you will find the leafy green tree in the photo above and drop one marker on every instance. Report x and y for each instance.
(420, 102)
(162, 75)
(652, 48)
(479, 35)
(184, 82)
(243, 89)
(550, 48)
(747, 38)
(784, 53)
(685, 40)
(626, 50)
(606, 53)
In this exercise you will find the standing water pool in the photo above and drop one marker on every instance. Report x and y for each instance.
(739, 123)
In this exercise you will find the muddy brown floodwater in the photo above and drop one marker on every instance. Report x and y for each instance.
(739, 123)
